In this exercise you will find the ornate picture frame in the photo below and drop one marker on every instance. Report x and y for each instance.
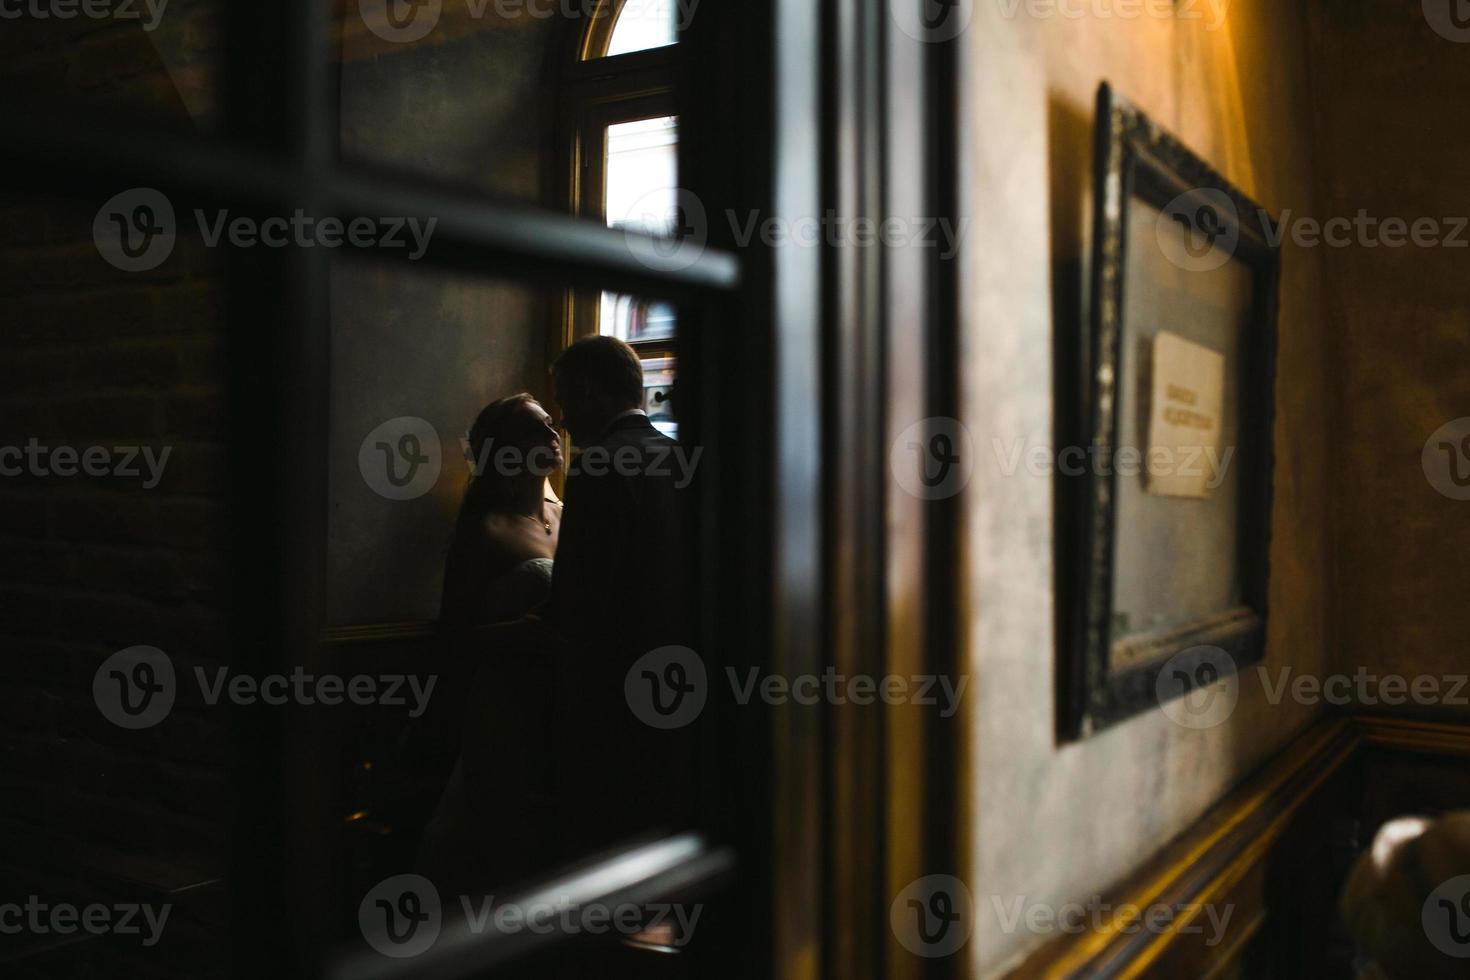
(1164, 570)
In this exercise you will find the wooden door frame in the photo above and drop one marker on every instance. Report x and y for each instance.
(806, 360)
(840, 349)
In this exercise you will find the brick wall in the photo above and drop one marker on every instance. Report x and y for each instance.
(91, 355)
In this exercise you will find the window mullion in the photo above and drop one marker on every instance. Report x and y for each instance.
(470, 232)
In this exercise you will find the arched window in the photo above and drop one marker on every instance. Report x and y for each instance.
(622, 147)
(624, 26)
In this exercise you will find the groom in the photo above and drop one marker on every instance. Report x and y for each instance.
(619, 590)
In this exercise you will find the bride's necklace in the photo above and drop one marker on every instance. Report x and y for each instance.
(539, 520)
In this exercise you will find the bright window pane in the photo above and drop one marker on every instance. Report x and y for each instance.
(658, 387)
(641, 195)
(633, 319)
(643, 174)
(644, 24)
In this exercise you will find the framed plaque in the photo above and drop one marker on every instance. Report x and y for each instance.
(1166, 566)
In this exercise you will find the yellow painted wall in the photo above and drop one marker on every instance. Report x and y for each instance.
(1054, 824)
(1390, 114)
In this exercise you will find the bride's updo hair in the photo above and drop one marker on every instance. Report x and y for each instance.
(493, 427)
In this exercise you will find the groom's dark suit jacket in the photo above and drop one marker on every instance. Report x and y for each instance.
(620, 588)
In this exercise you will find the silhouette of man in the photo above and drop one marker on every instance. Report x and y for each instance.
(619, 590)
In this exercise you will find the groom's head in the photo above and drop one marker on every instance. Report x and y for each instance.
(595, 380)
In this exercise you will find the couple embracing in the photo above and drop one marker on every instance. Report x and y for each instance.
(553, 602)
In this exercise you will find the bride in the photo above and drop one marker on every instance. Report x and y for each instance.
(499, 562)
(489, 827)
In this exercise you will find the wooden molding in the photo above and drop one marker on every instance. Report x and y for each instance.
(1231, 842)
(1206, 862)
(1435, 738)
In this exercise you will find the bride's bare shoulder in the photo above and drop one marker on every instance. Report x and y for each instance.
(498, 528)
(513, 538)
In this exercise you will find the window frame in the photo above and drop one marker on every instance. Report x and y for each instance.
(587, 198)
(598, 91)
(602, 23)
